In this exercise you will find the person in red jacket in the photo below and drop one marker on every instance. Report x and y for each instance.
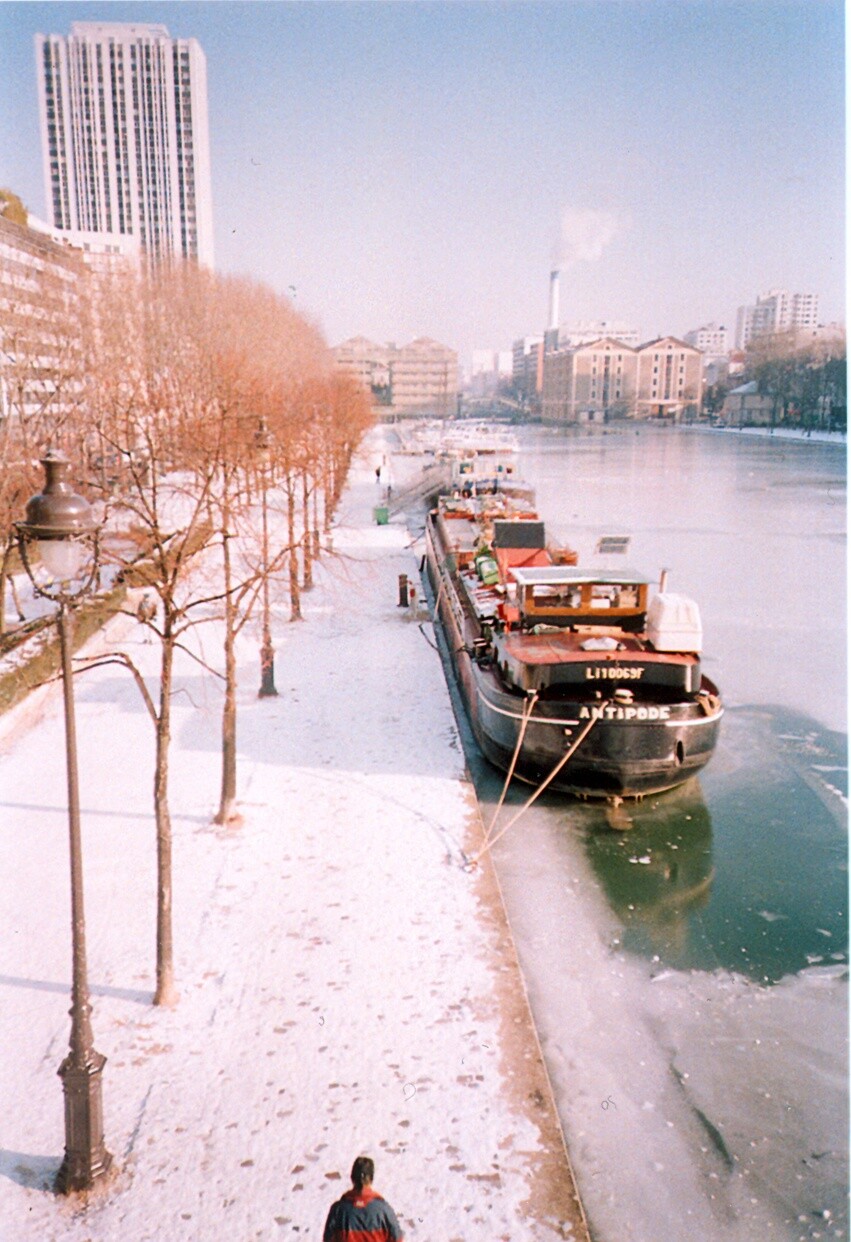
(362, 1215)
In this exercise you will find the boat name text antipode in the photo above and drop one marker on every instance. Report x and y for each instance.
(624, 713)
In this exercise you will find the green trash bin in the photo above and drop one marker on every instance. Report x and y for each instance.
(381, 515)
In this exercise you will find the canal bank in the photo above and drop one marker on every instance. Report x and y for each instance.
(346, 985)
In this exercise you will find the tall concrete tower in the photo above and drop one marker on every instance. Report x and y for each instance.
(125, 140)
(551, 333)
(554, 291)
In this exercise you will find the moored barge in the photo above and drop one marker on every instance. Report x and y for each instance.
(572, 677)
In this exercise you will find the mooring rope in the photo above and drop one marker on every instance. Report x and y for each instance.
(490, 843)
(439, 595)
(527, 712)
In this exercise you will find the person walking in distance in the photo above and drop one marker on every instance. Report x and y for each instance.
(362, 1215)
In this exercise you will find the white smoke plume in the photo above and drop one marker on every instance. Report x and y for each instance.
(585, 234)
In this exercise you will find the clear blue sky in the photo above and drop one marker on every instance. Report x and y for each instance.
(406, 167)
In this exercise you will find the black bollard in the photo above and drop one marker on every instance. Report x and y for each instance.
(403, 590)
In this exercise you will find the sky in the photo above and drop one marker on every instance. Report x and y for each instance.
(407, 169)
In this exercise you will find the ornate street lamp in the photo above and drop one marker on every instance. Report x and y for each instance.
(58, 546)
(267, 651)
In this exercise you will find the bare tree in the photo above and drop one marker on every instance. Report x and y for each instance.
(263, 347)
(805, 379)
(174, 371)
(155, 411)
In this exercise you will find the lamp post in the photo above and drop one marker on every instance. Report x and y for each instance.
(267, 651)
(59, 530)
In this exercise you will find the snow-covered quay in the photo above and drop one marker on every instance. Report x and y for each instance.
(346, 985)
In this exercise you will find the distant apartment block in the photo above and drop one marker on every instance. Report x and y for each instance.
(776, 311)
(710, 339)
(425, 378)
(366, 362)
(100, 252)
(608, 379)
(125, 141)
(492, 362)
(420, 378)
(527, 368)
(586, 332)
(490, 368)
(40, 283)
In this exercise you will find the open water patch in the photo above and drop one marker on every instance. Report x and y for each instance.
(743, 870)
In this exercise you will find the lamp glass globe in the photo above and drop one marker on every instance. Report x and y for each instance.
(62, 558)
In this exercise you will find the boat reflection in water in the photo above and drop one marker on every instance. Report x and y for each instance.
(654, 860)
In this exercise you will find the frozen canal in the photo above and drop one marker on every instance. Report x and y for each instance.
(689, 976)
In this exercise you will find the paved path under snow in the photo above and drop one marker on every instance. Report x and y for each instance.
(346, 986)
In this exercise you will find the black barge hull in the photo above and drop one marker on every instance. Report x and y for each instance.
(628, 751)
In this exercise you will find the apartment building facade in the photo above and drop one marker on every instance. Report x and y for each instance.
(125, 136)
(591, 383)
(40, 289)
(608, 379)
(417, 379)
(669, 382)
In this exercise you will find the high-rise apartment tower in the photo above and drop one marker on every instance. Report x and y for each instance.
(776, 311)
(125, 136)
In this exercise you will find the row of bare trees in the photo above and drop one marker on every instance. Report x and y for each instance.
(190, 397)
(805, 381)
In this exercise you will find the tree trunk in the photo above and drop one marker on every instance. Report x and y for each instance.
(16, 600)
(226, 813)
(295, 593)
(317, 545)
(305, 534)
(4, 578)
(326, 505)
(166, 993)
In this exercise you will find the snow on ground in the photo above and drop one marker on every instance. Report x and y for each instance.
(796, 435)
(346, 985)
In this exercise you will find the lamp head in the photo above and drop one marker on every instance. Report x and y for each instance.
(57, 521)
(262, 439)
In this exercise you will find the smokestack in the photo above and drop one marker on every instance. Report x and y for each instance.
(553, 323)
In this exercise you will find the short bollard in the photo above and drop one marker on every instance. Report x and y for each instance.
(403, 590)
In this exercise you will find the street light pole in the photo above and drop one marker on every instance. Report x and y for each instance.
(86, 1158)
(57, 524)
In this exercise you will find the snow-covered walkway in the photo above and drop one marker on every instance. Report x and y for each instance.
(346, 986)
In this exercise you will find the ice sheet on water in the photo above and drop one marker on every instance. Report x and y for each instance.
(779, 1123)
(729, 1098)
